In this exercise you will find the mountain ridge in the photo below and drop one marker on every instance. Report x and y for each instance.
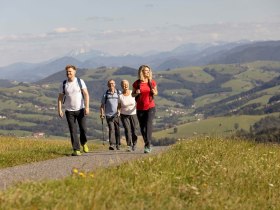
(185, 55)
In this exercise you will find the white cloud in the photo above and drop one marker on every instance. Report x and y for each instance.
(42, 46)
(121, 33)
(65, 30)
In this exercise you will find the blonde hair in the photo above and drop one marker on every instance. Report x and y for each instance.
(140, 72)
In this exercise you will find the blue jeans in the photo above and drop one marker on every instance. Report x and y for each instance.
(74, 117)
(145, 118)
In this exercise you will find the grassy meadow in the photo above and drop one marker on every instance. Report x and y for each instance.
(16, 151)
(222, 126)
(199, 173)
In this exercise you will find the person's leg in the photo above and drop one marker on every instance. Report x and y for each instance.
(151, 115)
(134, 128)
(72, 124)
(111, 130)
(142, 118)
(127, 130)
(116, 121)
(83, 126)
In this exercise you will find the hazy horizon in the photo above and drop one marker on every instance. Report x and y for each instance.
(33, 31)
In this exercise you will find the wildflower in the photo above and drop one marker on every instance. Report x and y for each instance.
(271, 185)
(81, 174)
(75, 171)
(204, 185)
(91, 175)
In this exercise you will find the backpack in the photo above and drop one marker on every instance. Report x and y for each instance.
(63, 87)
(107, 93)
(138, 87)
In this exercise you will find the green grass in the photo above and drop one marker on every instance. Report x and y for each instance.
(210, 98)
(201, 173)
(210, 126)
(8, 104)
(16, 122)
(16, 151)
(15, 132)
(39, 117)
(178, 92)
(238, 85)
(194, 74)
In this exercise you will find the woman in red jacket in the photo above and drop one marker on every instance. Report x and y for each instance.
(144, 90)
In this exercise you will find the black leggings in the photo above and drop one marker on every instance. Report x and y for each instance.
(145, 118)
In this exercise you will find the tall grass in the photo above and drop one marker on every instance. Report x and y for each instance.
(16, 151)
(201, 173)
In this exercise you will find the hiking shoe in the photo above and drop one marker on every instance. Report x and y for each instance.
(111, 147)
(76, 153)
(128, 149)
(118, 147)
(133, 147)
(85, 148)
(147, 150)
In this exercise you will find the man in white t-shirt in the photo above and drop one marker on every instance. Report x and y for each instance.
(74, 95)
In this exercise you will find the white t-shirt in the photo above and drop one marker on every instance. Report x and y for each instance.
(74, 100)
(128, 104)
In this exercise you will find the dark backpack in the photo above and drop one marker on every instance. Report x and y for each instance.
(63, 87)
(107, 93)
(138, 87)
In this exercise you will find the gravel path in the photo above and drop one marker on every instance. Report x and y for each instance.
(62, 167)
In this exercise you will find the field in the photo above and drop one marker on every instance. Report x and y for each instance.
(221, 126)
(29, 108)
(199, 173)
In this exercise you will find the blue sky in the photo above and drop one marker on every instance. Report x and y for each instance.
(37, 30)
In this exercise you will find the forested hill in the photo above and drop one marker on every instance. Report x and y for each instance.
(266, 51)
(185, 95)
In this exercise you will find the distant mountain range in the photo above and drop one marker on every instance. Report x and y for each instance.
(182, 56)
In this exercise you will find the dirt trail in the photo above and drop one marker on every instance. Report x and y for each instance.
(62, 167)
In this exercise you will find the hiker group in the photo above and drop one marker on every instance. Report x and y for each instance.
(134, 108)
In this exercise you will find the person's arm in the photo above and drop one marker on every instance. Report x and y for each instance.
(86, 99)
(119, 109)
(155, 91)
(59, 104)
(102, 112)
(135, 92)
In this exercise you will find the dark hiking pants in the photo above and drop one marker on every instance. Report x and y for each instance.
(130, 124)
(114, 130)
(145, 118)
(74, 118)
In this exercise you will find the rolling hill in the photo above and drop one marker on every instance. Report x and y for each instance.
(186, 96)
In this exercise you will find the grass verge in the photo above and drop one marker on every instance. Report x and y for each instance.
(201, 173)
(16, 151)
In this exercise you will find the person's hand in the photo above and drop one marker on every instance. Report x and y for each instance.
(102, 116)
(86, 111)
(60, 113)
(154, 91)
(119, 113)
(138, 91)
